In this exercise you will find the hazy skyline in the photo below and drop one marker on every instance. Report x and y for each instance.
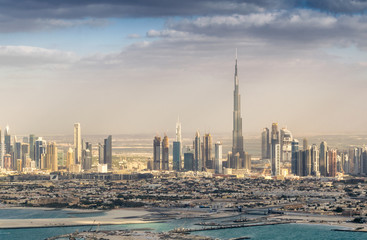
(134, 66)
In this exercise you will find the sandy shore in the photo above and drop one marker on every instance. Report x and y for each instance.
(337, 221)
(117, 216)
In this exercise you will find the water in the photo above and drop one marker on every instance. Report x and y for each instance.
(284, 231)
(42, 213)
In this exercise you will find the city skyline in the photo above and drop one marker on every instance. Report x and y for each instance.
(302, 64)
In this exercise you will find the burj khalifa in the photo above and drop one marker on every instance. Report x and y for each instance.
(237, 144)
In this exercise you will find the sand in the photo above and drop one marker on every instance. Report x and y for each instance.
(117, 216)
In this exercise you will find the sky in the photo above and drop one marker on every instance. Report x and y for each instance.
(134, 66)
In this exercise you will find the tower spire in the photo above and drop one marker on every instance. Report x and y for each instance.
(235, 72)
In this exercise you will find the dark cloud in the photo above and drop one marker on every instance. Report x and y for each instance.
(30, 15)
(337, 6)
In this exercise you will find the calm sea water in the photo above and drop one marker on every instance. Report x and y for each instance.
(286, 231)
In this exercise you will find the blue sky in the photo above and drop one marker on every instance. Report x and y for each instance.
(111, 36)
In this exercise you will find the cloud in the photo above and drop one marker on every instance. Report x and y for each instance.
(31, 15)
(134, 36)
(22, 56)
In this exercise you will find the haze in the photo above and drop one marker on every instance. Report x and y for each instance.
(135, 66)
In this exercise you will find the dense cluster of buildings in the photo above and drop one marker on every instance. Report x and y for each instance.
(287, 157)
(34, 153)
(200, 156)
(182, 189)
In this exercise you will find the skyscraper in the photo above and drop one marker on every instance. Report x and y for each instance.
(69, 158)
(275, 150)
(7, 140)
(157, 153)
(165, 153)
(323, 163)
(265, 144)
(32, 139)
(51, 157)
(176, 156)
(177, 148)
(39, 149)
(305, 144)
(77, 143)
(207, 151)
(178, 135)
(87, 156)
(2, 151)
(315, 160)
(100, 153)
(295, 157)
(237, 142)
(285, 145)
(108, 151)
(198, 164)
(332, 162)
(218, 157)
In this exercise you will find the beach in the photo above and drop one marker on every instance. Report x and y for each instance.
(111, 217)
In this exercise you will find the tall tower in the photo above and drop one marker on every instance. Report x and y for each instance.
(7, 140)
(177, 148)
(265, 144)
(198, 164)
(218, 157)
(51, 157)
(157, 153)
(77, 143)
(107, 151)
(275, 150)
(237, 146)
(165, 153)
(207, 160)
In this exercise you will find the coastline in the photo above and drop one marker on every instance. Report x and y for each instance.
(112, 217)
(333, 221)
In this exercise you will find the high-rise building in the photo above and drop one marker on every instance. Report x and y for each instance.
(51, 157)
(77, 143)
(275, 156)
(276, 159)
(207, 151)
(179, 136)
(237, 141)
(285, 145)
(39, 149)
(69, 158)
(305, 144)
(357, 153)
(177, 156)
(332, 162)
(100, 153)
(364, 162)
(265, 144)
(25, 153)
(189, 161)
(323, 160)
(32, 139)
(17, 149)
(307, 162)
(157, 153)
(165, 153)
(198, 163)
(87, 156)
(315, 155)
(218, 157)
(7, 140)
(295, 157)
(2, 151)
(108, 151)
